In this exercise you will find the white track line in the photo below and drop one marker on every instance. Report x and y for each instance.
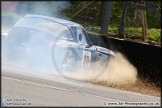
(116, 100)
(54, 87)
(36, 84)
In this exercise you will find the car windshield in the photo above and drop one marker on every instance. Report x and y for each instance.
(54, 28)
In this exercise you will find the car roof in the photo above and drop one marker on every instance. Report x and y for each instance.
(62, 21)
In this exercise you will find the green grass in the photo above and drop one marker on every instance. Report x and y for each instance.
(114, 30)
(153, 34)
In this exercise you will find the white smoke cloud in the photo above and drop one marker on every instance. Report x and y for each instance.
(50, 8)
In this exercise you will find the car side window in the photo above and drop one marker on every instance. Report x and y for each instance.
(81, 36)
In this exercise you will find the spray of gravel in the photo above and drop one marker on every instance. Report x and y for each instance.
(118, 71)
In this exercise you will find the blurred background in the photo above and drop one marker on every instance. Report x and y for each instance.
(91, 15)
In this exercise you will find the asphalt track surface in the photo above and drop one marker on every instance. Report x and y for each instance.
(39, 89)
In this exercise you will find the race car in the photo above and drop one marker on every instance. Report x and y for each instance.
(42, 40)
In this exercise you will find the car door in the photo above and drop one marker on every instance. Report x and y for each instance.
(86, 53)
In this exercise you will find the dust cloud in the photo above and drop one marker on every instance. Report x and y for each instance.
(117, 71)
(121, 74)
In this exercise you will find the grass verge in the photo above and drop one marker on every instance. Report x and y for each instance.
(153, 34)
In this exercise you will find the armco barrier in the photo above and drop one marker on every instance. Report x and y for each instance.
(146, 58)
